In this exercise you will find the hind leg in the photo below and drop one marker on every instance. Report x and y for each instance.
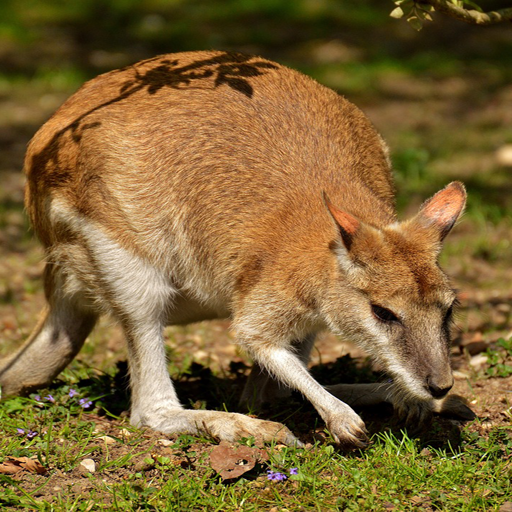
(156, 405)
(141, 297)
(59, 335)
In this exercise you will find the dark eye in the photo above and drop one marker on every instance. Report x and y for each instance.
(384, 314)
(449, 313)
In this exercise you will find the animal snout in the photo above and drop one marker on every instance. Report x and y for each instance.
(439, 386)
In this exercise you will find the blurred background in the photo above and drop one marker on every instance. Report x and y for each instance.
(441, 97)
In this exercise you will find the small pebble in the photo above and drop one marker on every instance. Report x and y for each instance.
(478, 361)
(88, 466)
(504, 155)
(107, 439)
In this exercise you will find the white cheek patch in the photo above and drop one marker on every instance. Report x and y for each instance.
(344, 259)
(386, 355)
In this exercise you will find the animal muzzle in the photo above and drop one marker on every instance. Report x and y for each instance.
(439, 385)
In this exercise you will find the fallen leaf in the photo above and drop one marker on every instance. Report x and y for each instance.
(13, 465)
(506, 507)
(231, 461)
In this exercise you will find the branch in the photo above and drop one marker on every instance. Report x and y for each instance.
(471, 16)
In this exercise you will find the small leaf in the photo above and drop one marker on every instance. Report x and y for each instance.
(473, 4)
(423, 15)
(397, 13)
(425, 7)
(415, 23)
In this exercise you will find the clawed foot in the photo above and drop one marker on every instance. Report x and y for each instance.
(415, 414)
(263, 431)
(345, 426)
(418, 413)
(454, 406)
(223, 426)
(347, 429)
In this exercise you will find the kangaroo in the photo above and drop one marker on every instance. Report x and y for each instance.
(209, 185)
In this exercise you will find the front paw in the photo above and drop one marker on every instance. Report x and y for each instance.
(454, 406)
(418, 413)
(347, 429)
(414, 413)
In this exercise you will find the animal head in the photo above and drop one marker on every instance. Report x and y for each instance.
(400, 302)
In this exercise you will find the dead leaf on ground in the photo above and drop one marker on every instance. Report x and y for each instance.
(13, 465)
(231, 461)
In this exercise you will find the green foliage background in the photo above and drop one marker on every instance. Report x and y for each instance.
(52, 46)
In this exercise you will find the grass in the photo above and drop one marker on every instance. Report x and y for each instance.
(395, 471)
(137, 470)
(498, 359)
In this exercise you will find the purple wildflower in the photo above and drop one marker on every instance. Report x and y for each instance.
(275, 476)
(50, 398)
(85, 403)
(31, 434)
(293, 471)
(72, 393)
(37, 398)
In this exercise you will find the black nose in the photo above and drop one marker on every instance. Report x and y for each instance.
(436, 390)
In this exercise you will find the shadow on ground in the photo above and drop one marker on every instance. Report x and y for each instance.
(200, 388)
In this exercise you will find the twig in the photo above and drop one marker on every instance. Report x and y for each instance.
(470, 15)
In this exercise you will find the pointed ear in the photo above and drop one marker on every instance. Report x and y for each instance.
(347, 224)
(443, 209)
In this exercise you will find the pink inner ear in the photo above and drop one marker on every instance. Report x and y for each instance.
(348, 223)
(446, 205)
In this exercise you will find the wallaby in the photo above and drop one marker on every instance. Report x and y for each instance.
(210, 185)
